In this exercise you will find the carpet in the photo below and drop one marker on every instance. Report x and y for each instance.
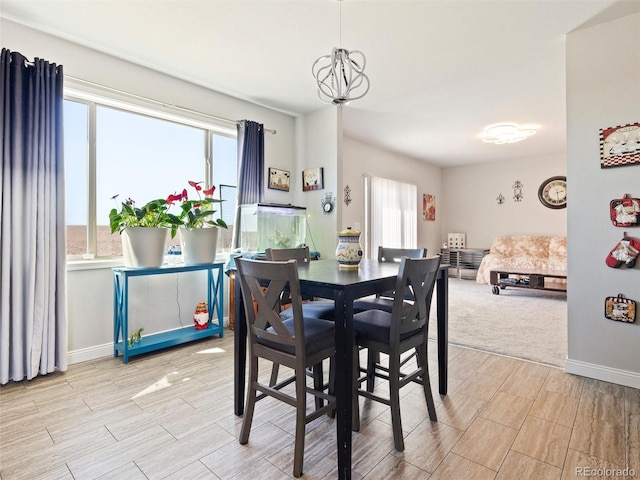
(521, 323)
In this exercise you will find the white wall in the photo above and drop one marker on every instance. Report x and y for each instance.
(360, 158)
(167, 299)
(603, 75)
(318, 147)
(469, 202)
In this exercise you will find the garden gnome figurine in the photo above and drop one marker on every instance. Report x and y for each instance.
(201, 317)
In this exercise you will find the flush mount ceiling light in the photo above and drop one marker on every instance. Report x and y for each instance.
(340, 76)
(506, 133)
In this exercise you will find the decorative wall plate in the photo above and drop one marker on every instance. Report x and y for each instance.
(620, 146)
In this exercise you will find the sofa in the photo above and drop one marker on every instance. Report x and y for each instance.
(538, 252)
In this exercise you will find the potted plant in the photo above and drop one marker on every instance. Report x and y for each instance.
(143, 230)
(198, 231)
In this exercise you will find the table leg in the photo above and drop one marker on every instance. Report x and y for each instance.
(343, 381)
(240, 349)
(442, 292)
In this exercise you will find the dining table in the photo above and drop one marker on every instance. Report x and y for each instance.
(327, 279)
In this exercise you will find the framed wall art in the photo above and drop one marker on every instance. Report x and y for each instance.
(279, 179)
(312, 179)
(428, 207)
(620, 146)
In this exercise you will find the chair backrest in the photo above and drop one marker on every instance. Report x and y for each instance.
(263, 282)
(395, 254)
(417, 276)
(301, 254)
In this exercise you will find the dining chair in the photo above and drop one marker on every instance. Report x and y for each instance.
(298, 343)
(384, 301)
(393, 333)
(316, 309)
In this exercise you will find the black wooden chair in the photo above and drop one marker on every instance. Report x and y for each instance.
(384, 301)
(315, 309)
(298, 343)
(393, 333)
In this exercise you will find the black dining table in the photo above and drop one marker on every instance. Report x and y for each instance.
(326, 279)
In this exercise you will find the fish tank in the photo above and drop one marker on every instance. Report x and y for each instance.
(271, 225)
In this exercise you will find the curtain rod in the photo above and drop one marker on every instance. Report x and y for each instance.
(140, 97)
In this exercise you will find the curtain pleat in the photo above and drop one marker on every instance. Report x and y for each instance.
(250, 170)
(33, 327)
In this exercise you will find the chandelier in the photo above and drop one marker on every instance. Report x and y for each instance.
(506, 133)
(340, 76)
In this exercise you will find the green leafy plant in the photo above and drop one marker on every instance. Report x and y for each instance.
(194, 213)
(152, 214)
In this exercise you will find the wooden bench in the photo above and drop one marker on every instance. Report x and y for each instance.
(527, 278)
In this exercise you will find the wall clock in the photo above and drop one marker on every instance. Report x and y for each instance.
(553, 192)
(328, 202)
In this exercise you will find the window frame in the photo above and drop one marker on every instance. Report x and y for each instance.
(93, 96)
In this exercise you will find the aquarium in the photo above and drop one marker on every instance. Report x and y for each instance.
(268, 225)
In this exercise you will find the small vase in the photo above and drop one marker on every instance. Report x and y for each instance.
(143, 247)
(349, 251)
(198, 245)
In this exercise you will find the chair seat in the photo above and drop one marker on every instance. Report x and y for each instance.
(376, 303)
(316, 309)
(318, 336)
(376, 325)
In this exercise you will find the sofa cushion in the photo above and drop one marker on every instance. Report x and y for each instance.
(534, 246)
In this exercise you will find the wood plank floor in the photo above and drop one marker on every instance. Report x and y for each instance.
(170, 415)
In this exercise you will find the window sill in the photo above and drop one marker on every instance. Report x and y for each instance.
(108, 263)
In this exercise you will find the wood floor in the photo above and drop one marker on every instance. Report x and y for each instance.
(169, 415)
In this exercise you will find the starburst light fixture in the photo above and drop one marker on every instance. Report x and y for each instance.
(506, 133)
(340, 76)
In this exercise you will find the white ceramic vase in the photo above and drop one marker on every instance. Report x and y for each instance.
(198, 245)
(143, 247)
(349, 251)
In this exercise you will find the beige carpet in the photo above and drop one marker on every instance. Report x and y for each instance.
(520, 323)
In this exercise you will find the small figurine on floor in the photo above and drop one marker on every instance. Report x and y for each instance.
(201, 317)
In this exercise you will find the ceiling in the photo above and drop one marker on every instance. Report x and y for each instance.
(440, 70)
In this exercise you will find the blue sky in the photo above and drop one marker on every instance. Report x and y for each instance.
(137, 156)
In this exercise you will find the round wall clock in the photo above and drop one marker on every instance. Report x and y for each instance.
(553, 192)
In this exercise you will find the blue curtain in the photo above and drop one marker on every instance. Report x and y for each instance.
(33, 327)
(250, 169)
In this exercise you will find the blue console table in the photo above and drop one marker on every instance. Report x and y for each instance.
(149, 343)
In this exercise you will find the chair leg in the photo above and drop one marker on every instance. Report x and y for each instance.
(332, 384)
(355, 405)
(426, 383)
(394, 401)
(274, 374)
(251, 401)
(301, 413)
(318, 383)
(373, 357)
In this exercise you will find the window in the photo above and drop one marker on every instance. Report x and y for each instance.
(391, 214)
(139, 156)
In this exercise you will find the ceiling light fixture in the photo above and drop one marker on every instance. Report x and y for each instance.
(340, 76)
(506, 133)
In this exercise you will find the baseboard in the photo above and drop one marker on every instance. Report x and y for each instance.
(607, 374)
(91, 353)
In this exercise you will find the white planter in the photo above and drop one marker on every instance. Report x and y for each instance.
(198, 245)
(143, 247)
